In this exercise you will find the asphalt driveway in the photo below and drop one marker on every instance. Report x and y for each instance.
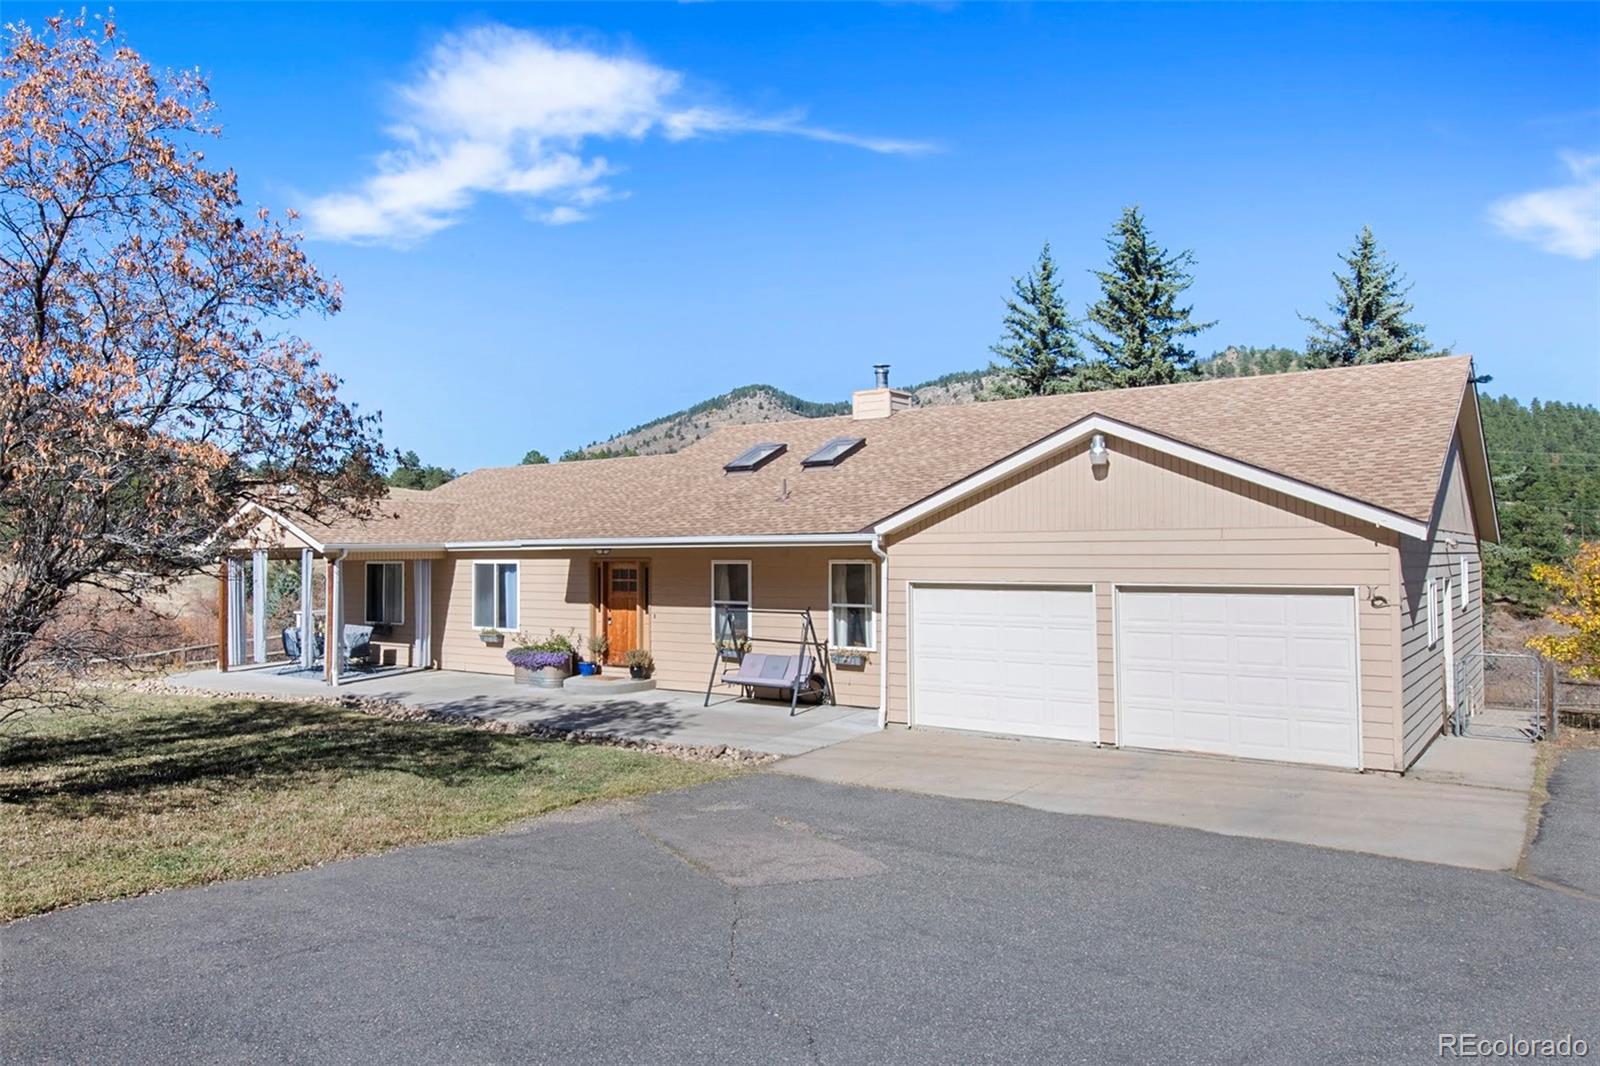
(779, 919)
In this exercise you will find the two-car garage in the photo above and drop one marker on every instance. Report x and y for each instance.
(1253, 673)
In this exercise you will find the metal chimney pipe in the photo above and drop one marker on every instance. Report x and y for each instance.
(881, 372)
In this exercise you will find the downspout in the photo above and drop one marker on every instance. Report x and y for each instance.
(883, 628)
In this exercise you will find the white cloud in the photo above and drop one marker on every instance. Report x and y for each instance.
(501, 111)
(1563, 219)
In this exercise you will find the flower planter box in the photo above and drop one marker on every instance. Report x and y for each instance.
(492, 639)
(848, 658)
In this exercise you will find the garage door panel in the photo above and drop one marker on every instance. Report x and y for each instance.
(1334, 655)
(1192, 609)
(1199, 648)
(1035, 671)
(1256, 674)
(1253, 650)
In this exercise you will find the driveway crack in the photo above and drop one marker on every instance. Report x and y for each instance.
(805, 1031)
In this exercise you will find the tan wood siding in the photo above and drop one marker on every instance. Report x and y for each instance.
(789, 578)
(552, 593)
(555, 593)
(1153, 520)
(1423, 667)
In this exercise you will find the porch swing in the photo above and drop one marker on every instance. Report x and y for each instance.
(795, 674)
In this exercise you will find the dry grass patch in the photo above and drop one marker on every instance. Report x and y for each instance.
(162, 791)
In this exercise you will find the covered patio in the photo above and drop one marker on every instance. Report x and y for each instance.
(330, 639)
(667, 717)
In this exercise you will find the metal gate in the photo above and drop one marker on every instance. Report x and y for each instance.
(1498, 696)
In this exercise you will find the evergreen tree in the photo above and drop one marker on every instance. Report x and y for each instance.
(410, 473)
(1371, 309)
(535, 458)
(1138, 322)
(1039, 353)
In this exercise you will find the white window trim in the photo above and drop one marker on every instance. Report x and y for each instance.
(366, 590)
(1433, 612)
(1466, 582)
(871, 605)
(473, 592)
(749, 587)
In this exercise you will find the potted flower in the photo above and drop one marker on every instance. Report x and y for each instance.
(543, 663)
(639, 663)
(733, 650)
(599, 648)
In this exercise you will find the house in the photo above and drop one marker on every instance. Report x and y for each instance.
(1283, 567)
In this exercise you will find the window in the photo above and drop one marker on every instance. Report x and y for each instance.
(756, 457)
(850, 605)
(1433, 611)
(834, 452)
(386, 594)
(1466, 583)
(730, 599)
(494, 595)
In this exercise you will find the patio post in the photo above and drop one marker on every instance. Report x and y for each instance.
(235, 605)
(222, 617)
(422, 626)
(258, 604)
(308, 617)
(335, 642)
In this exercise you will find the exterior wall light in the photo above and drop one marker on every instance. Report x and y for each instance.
(1099, 458)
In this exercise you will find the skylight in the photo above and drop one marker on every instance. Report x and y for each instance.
(756, 457)
(834, 452)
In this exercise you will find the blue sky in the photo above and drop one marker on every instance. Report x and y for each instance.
(554, 222)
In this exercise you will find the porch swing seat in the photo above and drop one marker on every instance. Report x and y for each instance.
(759, 670)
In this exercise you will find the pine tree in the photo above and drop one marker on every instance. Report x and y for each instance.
(1138, 323)
(1371, 309)
(1039, 352)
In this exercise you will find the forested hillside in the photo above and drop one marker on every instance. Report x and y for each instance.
(1546, 463)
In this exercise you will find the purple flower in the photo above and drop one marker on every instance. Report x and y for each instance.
(529, 659)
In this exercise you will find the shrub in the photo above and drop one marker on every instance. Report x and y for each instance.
(639, 657)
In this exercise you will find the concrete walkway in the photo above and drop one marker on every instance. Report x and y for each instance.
(1465, 804)
(670, 717)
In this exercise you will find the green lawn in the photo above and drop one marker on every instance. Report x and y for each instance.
(162, 791)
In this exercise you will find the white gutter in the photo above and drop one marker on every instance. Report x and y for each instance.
(877, 547)
(753, 541)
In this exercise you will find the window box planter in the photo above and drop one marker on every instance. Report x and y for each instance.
(491, 638)
(848, 658)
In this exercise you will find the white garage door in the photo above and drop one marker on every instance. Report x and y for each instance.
(1005, 660)
(1262, 675)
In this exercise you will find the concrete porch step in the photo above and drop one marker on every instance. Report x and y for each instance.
(606, 685)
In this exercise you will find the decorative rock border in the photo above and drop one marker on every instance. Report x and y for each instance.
(721, 754)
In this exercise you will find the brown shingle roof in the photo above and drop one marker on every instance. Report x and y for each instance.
(1376, 434)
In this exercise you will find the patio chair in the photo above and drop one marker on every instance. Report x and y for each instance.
(358, 645)
(292, 647)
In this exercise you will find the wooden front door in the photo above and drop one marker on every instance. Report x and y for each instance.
(622, 608)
